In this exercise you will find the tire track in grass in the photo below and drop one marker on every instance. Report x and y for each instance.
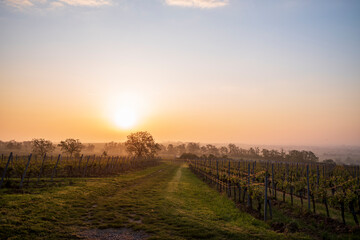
(122, 209)
(174, 183)
(172, 203)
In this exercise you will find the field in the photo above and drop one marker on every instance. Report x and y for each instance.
(161, 202)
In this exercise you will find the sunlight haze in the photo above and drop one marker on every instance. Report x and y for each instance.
(184, 70)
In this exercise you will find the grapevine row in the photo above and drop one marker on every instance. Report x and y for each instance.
(334, 186)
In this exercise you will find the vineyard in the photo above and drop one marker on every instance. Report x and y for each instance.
(330, 190)
(22, 171)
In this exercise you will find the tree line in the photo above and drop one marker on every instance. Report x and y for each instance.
(142, 144)
(139, 144)
(209, 151)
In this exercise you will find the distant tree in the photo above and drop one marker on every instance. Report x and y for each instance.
(115, 148)
(41, 146)
(189, 156)
(163, 148)
(275, 155)
(203, 150)
(252, 152)
(329, 161)
(192, 147)
(265, 154)
(295, 156)
(224, 150)
(142, 144)
(13, 145)
(282, 154)
(301, 156)
(27, 144)
(180, 149)
(233, 150)
(211, 157)
(309, 156)
(170, 149)
(71, 146)
(212, 150)
(90, 147)
(257, 151)
(110, 146)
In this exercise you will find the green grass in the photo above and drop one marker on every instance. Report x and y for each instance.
(167, 202)
(319, 208)
(295, 215)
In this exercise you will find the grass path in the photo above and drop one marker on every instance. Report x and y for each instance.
(163, 202)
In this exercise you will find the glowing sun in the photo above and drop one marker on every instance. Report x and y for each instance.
(125, 110)
(125, 117)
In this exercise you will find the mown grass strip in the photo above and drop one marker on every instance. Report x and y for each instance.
(167, 202)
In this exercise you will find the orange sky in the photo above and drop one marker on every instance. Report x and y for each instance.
(214, 71)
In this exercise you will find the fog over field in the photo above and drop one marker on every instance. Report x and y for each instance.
(339, 154)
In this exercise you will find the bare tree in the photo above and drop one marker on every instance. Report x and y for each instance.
(71, 146)
(142, 144)
(41, 146)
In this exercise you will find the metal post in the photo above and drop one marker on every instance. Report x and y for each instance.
(54, 171)
(24, 174)
(248, 203)
(317, 174)
(229, 189)
(253, 171)
(273, 179)
(80, 163)
(6, 167)
(308, 186)
(41, 168)
(265, 196)
(87, 162)
(217, 173)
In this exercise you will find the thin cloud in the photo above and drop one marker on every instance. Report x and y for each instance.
(46, 4)
(19, 3)
(87, 3)
(198, 3)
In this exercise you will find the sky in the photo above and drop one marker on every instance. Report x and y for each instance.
(245, 71)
